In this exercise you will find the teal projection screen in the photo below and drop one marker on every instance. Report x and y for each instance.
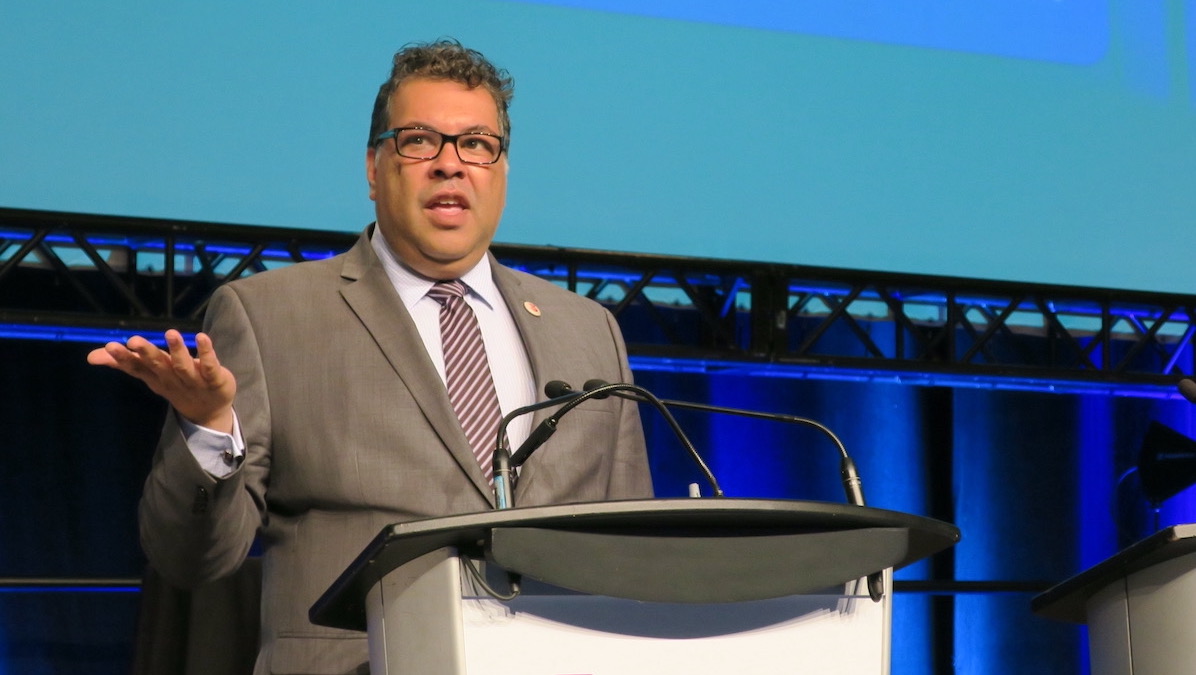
(1048, 141)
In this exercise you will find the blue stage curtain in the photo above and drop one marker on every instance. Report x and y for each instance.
(1041, 484)
(77, 446)
(882, 424)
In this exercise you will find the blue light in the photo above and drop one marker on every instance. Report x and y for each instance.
(881, 376)
(96, 336)
(1098, 499)
(27, 590)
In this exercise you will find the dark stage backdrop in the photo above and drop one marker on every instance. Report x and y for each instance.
(1031, 478)
(77, 445)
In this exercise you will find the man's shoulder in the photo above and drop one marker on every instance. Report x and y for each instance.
(300, 277)
(286, 296)
(539, 290)
(293, 281)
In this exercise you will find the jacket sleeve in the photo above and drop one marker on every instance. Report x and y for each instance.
(630, 476)
(195, 527)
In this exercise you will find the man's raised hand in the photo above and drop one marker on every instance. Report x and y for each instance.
(198, 387)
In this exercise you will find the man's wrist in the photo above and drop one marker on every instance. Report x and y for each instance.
(218, 452)
(221, 422)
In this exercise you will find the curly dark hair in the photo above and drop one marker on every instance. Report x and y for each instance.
(444, 59)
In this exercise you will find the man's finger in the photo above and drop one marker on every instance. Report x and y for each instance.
(209, 364)
(180, 357)
(138, 353)
(101, 357)
(132, 355)
(140, 345)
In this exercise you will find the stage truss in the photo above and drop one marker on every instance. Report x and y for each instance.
(83, 277)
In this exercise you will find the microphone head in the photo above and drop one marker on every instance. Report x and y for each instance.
(557, 389)
(1188, 389)
(594, 384)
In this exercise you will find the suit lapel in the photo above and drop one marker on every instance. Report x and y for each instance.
(546, 352)
(373, 299)
(540, 347)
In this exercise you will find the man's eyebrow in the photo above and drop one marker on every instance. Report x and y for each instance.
(476, 128)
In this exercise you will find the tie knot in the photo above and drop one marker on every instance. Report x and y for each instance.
(443, 291)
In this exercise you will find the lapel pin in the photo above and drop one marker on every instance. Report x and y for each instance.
(531, 308)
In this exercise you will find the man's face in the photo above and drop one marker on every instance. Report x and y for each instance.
(438, 215)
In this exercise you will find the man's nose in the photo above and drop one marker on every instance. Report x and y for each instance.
(447, 162)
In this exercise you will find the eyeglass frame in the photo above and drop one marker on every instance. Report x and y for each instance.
(445, 139)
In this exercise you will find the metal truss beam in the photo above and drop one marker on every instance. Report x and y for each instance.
(61, 272)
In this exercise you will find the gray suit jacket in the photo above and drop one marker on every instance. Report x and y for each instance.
(348, 428)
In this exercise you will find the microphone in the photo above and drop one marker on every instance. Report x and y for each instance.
(852, 485)
(558, 393)
(1188, 389)
(548, 427)
(849, 475)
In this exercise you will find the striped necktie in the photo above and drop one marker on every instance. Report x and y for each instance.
(467, 373)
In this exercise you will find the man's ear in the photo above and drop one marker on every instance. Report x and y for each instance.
(371, 170)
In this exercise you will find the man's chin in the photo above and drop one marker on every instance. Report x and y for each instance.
(447, 264)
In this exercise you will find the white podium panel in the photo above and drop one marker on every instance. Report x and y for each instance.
(579, 634)
(589, 634)
(687, 586)
(1139, 605)
(1150, 614)
(1109, 631)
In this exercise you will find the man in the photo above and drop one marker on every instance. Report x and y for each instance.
(326, 415)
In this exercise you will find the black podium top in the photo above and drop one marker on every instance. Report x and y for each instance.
(1068, 601)
(666, 550)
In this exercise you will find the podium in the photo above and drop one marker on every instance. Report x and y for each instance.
(638, 586)
(1139, 605)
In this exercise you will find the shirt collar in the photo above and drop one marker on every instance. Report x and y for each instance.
(413, 287)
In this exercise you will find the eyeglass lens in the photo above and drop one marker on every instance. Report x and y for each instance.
(426, 144)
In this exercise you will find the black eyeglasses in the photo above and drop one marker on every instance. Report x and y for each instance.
(420, 143)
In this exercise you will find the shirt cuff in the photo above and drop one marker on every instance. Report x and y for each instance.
(218, 453)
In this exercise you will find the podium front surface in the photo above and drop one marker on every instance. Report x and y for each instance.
(688, 585)
(1139, 605)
